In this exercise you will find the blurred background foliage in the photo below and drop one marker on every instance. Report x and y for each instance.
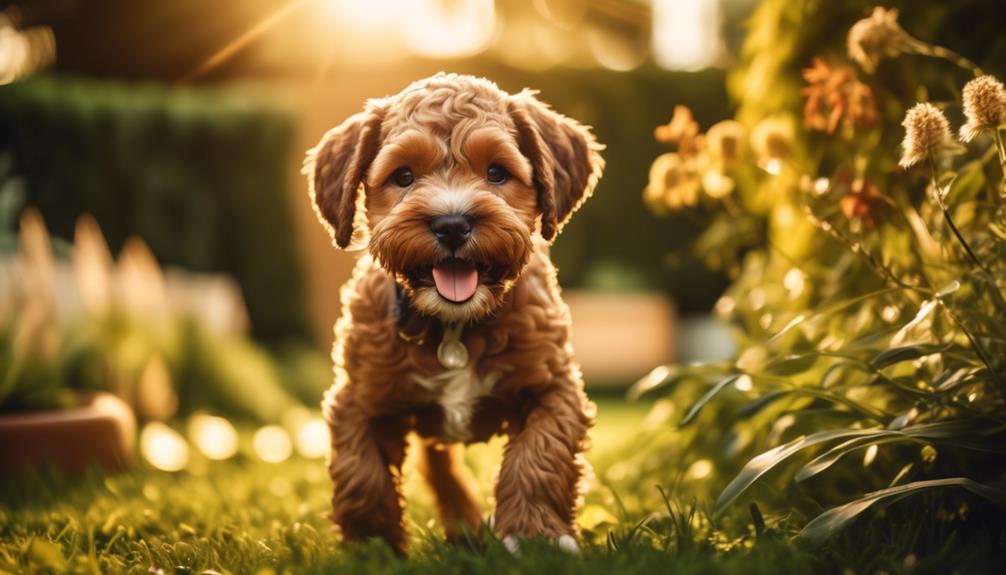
(200, 176)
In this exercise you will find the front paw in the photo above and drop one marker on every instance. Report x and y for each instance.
(566, 543)
(511, 544)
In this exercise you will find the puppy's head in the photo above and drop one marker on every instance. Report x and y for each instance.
(447, 183)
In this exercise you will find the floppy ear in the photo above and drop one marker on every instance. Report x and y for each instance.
(564, 154)
(335, 169)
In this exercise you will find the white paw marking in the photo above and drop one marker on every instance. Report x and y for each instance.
(568, 544)
(511, 544)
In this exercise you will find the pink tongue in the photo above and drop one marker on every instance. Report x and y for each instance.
(456, 280)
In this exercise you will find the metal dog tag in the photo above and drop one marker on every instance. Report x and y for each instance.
(451, 352)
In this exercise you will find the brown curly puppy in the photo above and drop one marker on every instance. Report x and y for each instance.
(452, 324)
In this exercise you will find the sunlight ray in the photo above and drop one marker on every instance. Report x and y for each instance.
(236, 45)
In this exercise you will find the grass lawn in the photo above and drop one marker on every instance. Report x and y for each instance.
(247, 516)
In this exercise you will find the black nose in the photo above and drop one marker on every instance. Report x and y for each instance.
(452, 231)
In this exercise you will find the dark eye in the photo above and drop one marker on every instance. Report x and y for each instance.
(403, 177)
(497, 175)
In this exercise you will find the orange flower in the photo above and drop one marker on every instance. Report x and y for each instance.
(864, 202)
(835, 93)
(682, 130)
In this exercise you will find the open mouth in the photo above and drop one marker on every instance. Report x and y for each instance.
(455, 279)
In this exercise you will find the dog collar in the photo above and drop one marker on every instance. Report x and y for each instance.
(412, 326)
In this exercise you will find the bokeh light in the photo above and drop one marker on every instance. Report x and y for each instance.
(699, 470)
(272, 444)
(214, 436)
(313, 438)
(686, 33)
(870, 454)
(744, 383)
(426, 28)
(164, 447)
(437, 29)
(23, 52)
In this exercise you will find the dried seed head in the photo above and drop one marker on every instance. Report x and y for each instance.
(927, 133)
(876, 37)
(984, 106)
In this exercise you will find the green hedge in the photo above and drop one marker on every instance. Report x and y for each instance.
(201, 175)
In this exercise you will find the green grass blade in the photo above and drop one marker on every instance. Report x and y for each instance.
(833, 520)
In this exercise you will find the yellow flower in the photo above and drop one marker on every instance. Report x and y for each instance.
(927, 134)
(673, 183)
(717, 184)
(771, 141)
(876, 37)
(725, 142)
(984, 106)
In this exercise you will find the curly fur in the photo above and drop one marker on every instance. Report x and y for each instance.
(521, 380)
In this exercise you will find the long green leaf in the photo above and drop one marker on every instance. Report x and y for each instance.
(774, 395)
(761, 464)
(791, 364)
(865, 410)
(951, 379)
(831, 309)
(763, 401)
(833, 520)
(696, 407)
(899, 354)
(942, 430)
(831, 457)
(667, 376)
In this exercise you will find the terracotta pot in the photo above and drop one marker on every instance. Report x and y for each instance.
(100, 430)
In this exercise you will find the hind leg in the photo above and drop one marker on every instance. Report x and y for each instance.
(454, 488)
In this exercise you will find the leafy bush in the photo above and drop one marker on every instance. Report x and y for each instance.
(873, 357)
